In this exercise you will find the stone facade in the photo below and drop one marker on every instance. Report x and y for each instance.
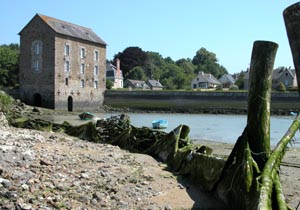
(62, 65)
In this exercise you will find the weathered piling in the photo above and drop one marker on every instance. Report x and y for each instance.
(292, 24)
(259, 99)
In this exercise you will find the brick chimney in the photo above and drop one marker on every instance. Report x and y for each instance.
(118, 70)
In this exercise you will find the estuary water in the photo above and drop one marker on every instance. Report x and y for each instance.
(209, 127)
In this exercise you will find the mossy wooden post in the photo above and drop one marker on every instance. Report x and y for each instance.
(259, 98)
(292, 24)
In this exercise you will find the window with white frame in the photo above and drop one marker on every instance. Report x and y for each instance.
(82, 83)
(67, 49)
(82, 68)
(82, 52)
(96, 55)
(67, 66)
(96, 70)
(96, 84)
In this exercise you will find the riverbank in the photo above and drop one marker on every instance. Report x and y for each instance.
(46, 169)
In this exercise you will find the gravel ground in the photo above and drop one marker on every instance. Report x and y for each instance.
(45, 170)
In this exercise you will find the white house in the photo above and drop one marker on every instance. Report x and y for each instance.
(205, 81)
(114, 74)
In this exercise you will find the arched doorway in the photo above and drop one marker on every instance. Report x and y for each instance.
(37, 100)
(70, 104)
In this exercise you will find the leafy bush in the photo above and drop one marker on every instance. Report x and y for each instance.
(109, 84)
(280, 87)
(234, 87)
(5, 102)
(219, 87)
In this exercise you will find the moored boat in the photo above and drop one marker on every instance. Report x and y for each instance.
(86, 116)
(159, 124)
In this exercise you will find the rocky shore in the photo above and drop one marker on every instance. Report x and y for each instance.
(46, 170)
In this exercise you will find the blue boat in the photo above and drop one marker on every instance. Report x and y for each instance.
(159, 124)
(293, 113)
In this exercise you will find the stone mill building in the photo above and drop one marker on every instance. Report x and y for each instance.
(62, 65)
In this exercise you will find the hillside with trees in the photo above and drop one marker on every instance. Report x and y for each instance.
(141, 65)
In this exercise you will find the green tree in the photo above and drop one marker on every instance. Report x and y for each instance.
(9, 65)
(130, 58)
(240, 79)
(173, 77)
(109, 84)
(207, 62)
(203, 57)
(154, 65)
(137, 73)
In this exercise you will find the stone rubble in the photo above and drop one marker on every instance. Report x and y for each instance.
(42, 170)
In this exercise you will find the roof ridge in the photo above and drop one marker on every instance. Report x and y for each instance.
(47, 18)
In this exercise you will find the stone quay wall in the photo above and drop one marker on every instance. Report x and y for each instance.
(196, 102)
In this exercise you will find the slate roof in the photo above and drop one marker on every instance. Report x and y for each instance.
(277, 73)
(70, 29)
(207, 78)
(111, 71)
(136, 83)
(154, 83)
(227, 78)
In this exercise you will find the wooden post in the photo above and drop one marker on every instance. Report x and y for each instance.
(259, 98)
(292, 25)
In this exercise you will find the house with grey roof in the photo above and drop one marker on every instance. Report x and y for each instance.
(205, 81)
(114, 74)
(154, 84)
(227, 80)
(62, 65)
(136, 84)
(285, 76)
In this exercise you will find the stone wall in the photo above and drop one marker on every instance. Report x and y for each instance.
(89, 96)
(34, 82)
(47, 87)
(196, 102)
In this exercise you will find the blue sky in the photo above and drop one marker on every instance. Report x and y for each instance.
(173, 28)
